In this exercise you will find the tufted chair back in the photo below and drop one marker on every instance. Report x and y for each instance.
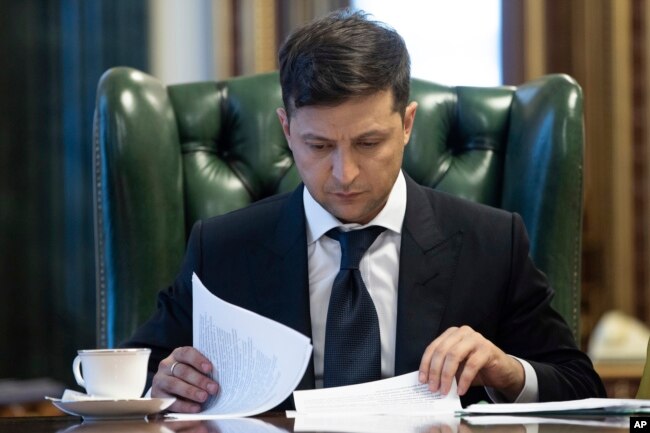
(167, 156)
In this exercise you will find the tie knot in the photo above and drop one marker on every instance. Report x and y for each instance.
(354, 244)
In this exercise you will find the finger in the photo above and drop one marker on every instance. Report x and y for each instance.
(456, 355)
(190, 356)
(439, 357)
(469, 370)
(184, 406)
(191, 366)
(425, 362)
(186, 383)
(482, 355)
(190, 375)
(180, 405)
(177, 387)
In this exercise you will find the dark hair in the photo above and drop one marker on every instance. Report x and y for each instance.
(343, 55)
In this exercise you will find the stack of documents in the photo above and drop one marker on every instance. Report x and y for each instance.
(398, 395)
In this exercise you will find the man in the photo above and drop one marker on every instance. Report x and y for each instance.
(443, 286)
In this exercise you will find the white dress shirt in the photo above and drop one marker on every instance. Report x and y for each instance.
(379, 269)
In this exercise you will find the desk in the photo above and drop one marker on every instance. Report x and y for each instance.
(278, 424)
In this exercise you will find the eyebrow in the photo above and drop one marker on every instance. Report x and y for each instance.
(381, 133)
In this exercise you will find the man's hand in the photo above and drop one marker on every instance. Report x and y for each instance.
(473, 360)
(183, 375)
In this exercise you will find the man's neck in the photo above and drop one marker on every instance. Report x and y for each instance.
(319, 220)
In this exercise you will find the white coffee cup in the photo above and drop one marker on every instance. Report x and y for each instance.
(112, 373)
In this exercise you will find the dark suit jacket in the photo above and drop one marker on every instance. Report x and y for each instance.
(461, 263)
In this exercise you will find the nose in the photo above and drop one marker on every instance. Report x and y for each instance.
(345, 168)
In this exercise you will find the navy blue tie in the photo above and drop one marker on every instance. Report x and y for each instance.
(352, 342)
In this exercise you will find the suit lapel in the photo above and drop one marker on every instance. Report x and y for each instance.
(283, 270)
(428, 260)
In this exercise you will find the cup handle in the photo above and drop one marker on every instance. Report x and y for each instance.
(76, 364)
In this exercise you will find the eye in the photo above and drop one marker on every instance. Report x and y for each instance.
(368, 144)
(317, 146)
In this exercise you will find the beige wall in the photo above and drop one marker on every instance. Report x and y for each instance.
(180, 40)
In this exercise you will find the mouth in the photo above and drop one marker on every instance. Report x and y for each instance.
(346, 195)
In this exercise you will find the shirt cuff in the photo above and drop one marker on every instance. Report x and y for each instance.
(530, 391)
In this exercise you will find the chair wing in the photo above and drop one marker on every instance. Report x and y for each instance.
(167, 156)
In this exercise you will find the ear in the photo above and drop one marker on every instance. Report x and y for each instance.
(409, 119)
(284, 121)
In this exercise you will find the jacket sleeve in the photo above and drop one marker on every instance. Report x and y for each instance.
(532, 330)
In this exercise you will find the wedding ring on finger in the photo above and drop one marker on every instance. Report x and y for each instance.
(171, 371)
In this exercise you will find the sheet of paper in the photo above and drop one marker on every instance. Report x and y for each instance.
(403, 395)
(585, 405)
(496, 420)
(257, 362)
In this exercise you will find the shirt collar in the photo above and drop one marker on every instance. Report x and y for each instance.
(319, 221)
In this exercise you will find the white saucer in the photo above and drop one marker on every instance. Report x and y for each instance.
(103, 409)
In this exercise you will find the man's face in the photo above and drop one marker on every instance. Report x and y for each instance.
(349, 155)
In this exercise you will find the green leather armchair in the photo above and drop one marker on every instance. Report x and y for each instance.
(167, 156)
